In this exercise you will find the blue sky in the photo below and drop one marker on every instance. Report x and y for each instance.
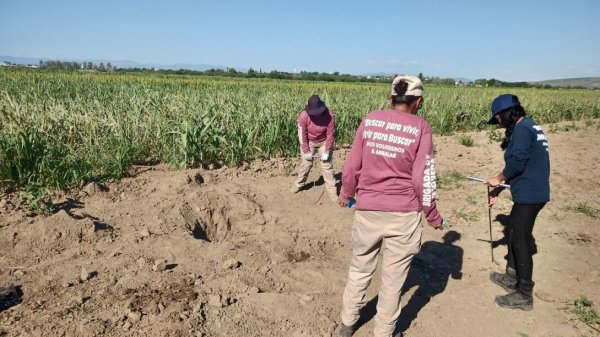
(508, 40)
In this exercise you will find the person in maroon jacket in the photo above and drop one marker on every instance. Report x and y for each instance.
(316, 132)
(391, 172)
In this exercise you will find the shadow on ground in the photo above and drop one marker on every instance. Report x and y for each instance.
(429, 273)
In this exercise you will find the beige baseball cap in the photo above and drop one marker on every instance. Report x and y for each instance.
(415, 86)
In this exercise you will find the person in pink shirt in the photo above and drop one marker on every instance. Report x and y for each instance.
(316, 132)
(390, 171)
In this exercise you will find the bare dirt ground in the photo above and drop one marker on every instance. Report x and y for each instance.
(231, 252)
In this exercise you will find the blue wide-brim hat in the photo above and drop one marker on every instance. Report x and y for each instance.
(315, 106)
(501, 103)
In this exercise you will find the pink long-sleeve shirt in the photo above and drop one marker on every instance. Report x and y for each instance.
(316, 129)
(391, 166)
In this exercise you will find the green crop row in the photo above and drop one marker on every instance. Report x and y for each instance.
(58, 129)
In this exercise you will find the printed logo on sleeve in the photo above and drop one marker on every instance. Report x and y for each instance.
(541, 137)
(429, 181)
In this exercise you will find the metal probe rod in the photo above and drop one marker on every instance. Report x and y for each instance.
(481, 180)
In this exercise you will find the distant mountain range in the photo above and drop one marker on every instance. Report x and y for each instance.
(384, 74)
(586, 82)
(188, 66)
(117, 63)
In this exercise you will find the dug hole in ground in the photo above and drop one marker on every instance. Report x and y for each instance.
(231, 252)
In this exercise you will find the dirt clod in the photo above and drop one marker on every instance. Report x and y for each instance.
(231, 264)
(84, 275)
(134, 316)
(214, 300)
(144, 233)
(159, 265)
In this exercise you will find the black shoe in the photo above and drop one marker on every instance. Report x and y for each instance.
(346, 330)
(515, 300)
(521, 299)
(506, 281)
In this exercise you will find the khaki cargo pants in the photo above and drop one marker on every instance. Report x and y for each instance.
(398, 234)
(326, 167)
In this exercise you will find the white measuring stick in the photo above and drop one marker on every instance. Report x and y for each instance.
(481, 180)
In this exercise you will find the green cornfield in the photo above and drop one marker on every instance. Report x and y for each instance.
(59, 129)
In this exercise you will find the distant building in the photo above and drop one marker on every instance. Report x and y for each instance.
(4, 64)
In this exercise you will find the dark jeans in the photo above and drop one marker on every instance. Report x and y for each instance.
(520, 239)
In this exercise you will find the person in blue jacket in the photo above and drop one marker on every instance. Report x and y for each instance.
(527, 170)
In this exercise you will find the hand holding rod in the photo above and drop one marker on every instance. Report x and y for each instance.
(481, 180)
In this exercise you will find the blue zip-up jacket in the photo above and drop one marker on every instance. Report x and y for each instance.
(527, 164)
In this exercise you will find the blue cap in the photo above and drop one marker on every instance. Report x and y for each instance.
(502, 103)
